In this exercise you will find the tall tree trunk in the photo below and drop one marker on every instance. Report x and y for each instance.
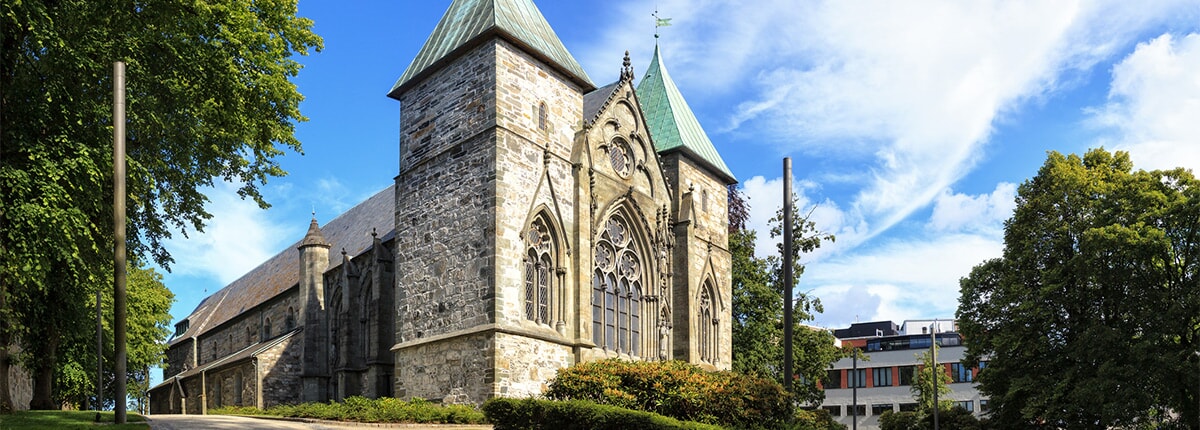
(43, 371)
(6, 404)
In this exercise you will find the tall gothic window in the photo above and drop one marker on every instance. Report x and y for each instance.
(708, 325)
(538, 264)
(617, 290)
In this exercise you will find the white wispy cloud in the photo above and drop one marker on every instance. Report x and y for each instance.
(902, 279)
(238, 238)
(910, 92)
(956, 212)
(1154, 104)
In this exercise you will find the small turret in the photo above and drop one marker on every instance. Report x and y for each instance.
(314, 261)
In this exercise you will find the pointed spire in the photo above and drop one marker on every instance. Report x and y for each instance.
(314, 236)
(671, 123)
(468, 22)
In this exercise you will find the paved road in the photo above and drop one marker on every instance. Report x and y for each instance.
(227, 422)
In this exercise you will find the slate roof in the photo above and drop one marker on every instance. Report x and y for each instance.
(594, 101)
(673, 126)
(350, 231)
(469, 22)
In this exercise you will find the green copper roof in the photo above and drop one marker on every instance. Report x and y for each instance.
(467, 22)
(672, 124)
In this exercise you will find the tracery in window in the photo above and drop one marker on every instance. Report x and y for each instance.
(708, 325)
(617, 290)
(618, 156)
(538, 264)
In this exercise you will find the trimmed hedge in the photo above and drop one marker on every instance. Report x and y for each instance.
(522, 414)
(679, 390)
(361, 409)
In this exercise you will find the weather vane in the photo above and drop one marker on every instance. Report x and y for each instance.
(659, 22)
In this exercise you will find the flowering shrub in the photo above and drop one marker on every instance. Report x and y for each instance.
(676, 389)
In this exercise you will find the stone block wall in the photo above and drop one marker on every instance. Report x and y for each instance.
(264, 322)
(279, 368)
(525, 365)
(454, 369)
(232, 386)
(534, 175)
(444, 272)
(701, 254)
(450, 106)
(179, 358)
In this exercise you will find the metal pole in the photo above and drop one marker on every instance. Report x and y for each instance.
(854, 392)
(119, 239)
(934, 372)
(788, 282)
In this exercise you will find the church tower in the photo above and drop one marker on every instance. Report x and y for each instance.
(489, 110)
(698, 178)
(314, 367)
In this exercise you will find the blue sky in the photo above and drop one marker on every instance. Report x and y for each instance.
(910, 124)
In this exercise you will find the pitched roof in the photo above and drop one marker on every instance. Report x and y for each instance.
(468, 22)
(350, 231)
(672, 125)
(594, 101)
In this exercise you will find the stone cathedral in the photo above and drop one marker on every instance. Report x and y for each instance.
(537, 221)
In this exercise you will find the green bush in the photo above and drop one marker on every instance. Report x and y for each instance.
(522, 414)
(818, 419)
(677, 389)
(951, 419)
(361, 409)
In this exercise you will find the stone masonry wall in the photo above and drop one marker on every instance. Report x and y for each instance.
(454, 370)
(262, 323)
(448, 107)
(525, 366)
(179, 357)
(232, 386)
(534, 174)
(279, 368)
(702, 253)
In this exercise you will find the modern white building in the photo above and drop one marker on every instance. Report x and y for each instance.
(864, 389)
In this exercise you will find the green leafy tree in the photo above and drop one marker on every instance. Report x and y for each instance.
(209, 98)
(149, 319)
(758, 310)
(923, 385)
(1092, 316)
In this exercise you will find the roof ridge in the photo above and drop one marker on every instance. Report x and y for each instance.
(467, 22)
(672, 123)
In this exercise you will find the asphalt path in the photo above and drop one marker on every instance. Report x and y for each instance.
(229, 422)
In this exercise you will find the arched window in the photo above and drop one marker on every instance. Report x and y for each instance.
(617, 290)
(542, 116)
(539, 260)
(266, 330)
(291, 318)
(708, 325)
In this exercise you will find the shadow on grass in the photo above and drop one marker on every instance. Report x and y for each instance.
(68, 420)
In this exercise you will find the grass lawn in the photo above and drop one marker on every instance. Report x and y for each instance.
(67, 420)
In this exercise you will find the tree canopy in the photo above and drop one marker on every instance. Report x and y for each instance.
(758, 308)
(1091, 319)
(209, 98)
